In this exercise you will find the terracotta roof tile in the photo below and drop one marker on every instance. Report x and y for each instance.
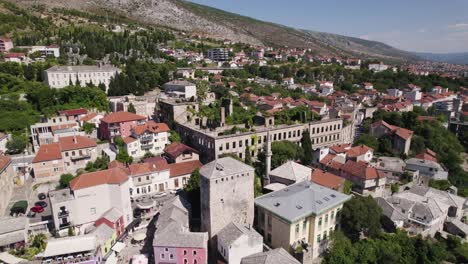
(184, 168)
(73, 112)
(152, 127)
(48, 152)
(76, 142)
(88, 117)
(119, 117)
(128, 140)
(341, 148)
(358, 151)
(176, 149)
(4, 161)
(326, 179)
(360, 169)
(110, 176)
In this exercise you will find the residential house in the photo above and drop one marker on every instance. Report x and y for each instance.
(302, 215)
(422, 210)
(49, 132)
(89, 199)
(427, 168)
(236, 241)
(173, 242)
(119, 124)
(391, 168)
(17, 57)
(327, 179)
(378, 67)
(73, 114)
(150, 137)
(68, 155)
(5, 44)
(365, 179)
(178, 152)
(401, 137)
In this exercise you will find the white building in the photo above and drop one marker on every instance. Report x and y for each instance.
(180, 89)
(427, 168)
(45, 51)
(378, 67)
(89, 197)
(237, 241)
(151, 137)
(62, 76)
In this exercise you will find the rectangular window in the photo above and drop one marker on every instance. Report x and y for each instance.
(318, 238)
(269, 222)
(320, 221)
(297, 229)
(326, 218)
(332, 214)
(304, 226)
(93, 210)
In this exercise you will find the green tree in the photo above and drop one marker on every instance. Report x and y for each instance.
(342, 250)
(283, 151)
(88, 128)
(193, 183)
(65, 180)
(248, 157)
(306, 145)
(131, 108)
(348, 186)
(361, 215)
(174, 136)
(16, 144)
(395, 187)
(124, 157)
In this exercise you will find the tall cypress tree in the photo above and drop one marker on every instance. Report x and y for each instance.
(306, 145)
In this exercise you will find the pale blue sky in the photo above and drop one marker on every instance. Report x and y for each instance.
(414, 25)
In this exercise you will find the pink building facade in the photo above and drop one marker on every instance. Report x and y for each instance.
(119, 124)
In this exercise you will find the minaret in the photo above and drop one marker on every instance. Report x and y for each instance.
(266, 177)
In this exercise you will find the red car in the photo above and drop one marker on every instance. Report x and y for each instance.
(37, 209)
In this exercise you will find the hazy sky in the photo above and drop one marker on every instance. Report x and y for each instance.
(413, 25)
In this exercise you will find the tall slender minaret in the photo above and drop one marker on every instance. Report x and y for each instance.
(266, 177)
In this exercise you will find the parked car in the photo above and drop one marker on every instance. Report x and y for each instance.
(41, 204)
(42, 196)
(37, 209)
(159, 195)
(19, 208)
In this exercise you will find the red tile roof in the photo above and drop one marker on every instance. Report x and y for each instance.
(76, 142)
(176, 149)
(360, 169)
(64, 126)
(341, 148)
(358, 151)
(110, 176)
(4, 161)
(326, 179)
(152, 127)
(120, 117)
(399, 131)
(184, 168)
(73, 112)
(128, 140)
(48, 152)
(14, 55)
(88, 117)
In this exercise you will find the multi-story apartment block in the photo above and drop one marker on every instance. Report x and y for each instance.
(5, 45)
(68, 155)
(227, 195)
(90, 197)
(218, 54)
(215, 142)
(62, 76)
(302, 215)
(151, 137)
(119, 124)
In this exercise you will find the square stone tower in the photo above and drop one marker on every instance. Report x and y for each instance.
(226, 194)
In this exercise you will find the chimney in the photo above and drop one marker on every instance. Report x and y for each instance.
(266, 178)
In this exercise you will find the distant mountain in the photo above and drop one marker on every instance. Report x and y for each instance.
(455, 58)
(211, 22)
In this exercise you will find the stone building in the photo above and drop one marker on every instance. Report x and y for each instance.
(215, 142)
(62, 76)
(227, 195)
(6, 182)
